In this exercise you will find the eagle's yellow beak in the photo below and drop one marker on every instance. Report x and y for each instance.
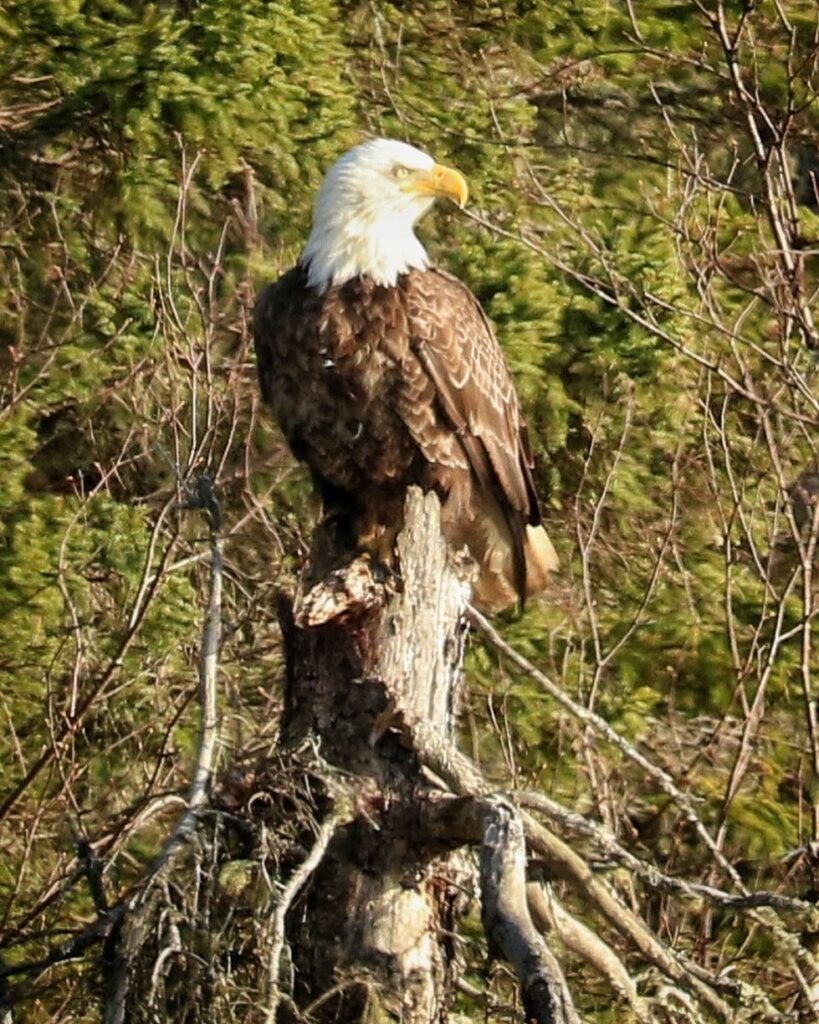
(441, 182)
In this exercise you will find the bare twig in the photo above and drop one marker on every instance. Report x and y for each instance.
(284, 900)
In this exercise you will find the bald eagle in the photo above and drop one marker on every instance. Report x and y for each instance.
(383, 371)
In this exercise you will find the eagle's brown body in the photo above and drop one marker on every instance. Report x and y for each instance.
(380, 387)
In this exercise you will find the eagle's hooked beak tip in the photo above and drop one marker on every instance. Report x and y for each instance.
(443, 182)
(453, 184)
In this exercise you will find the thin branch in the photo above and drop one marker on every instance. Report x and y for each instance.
(297, 881)
(600, 725)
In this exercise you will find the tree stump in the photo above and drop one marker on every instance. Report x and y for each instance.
(372, 940)
(326, 880)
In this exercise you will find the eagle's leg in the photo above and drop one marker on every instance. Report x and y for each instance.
(380, 553)
(351, 561)
(378, 545)
(363, 526)
(377, 528)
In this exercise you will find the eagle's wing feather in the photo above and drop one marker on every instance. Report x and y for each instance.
(455, 344)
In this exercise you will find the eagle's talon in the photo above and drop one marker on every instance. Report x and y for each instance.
(385, 574)
(380, 569)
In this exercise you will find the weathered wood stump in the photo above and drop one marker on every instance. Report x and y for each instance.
(324, 880)
(379, 910)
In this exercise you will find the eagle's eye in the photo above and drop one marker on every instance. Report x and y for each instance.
(400, 172)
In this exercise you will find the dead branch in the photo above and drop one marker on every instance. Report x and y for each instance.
(549, 915)
(508, 926)
(461, 819)
(208, 671)
(282, 902)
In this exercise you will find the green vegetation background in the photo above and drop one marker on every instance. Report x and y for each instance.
(158, 164)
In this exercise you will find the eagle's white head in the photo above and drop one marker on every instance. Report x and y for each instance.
(366, 209)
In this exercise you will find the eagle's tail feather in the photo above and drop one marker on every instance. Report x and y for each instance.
(520, 563)
(512, 564)
(541, 560)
